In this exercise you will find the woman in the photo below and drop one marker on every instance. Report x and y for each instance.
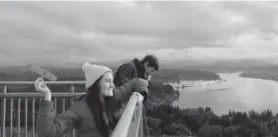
(92, 115)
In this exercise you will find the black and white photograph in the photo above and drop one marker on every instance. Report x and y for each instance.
(136, 68)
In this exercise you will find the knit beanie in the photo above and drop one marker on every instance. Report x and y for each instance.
(93, 72)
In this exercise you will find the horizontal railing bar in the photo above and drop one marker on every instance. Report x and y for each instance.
(47, 82)
(39, 94)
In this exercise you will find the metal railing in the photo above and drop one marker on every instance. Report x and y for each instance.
(130, 121)
(12, 119)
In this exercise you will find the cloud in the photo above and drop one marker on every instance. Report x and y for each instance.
(86, 31)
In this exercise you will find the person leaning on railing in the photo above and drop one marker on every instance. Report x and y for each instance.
(90, 115)
(136, 69)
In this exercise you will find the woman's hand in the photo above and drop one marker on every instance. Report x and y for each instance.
(41, 86)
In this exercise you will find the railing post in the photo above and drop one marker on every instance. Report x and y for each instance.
(11, 116)
(18, 116)
(4, 113)
(72, 90)
(135, 129)
(33, 116)
(122, 127)
(139, 127)
(26, 117)
(73, 134)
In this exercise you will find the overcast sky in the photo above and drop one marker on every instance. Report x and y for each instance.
(91, 31)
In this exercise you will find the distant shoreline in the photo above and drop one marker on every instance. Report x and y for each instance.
(259, 75)
(200, 84)
(178, 75)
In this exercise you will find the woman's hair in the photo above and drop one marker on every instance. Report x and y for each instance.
(96, 103)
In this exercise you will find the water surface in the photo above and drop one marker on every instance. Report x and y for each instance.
(242, 94)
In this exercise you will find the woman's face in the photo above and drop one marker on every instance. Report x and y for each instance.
(106, 84)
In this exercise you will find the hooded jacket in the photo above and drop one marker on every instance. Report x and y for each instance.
(129, 71)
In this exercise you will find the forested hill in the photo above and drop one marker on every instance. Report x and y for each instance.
(168, 75)
(267, 72)
(21, 73)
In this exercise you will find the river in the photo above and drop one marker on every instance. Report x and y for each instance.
(241, 94)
